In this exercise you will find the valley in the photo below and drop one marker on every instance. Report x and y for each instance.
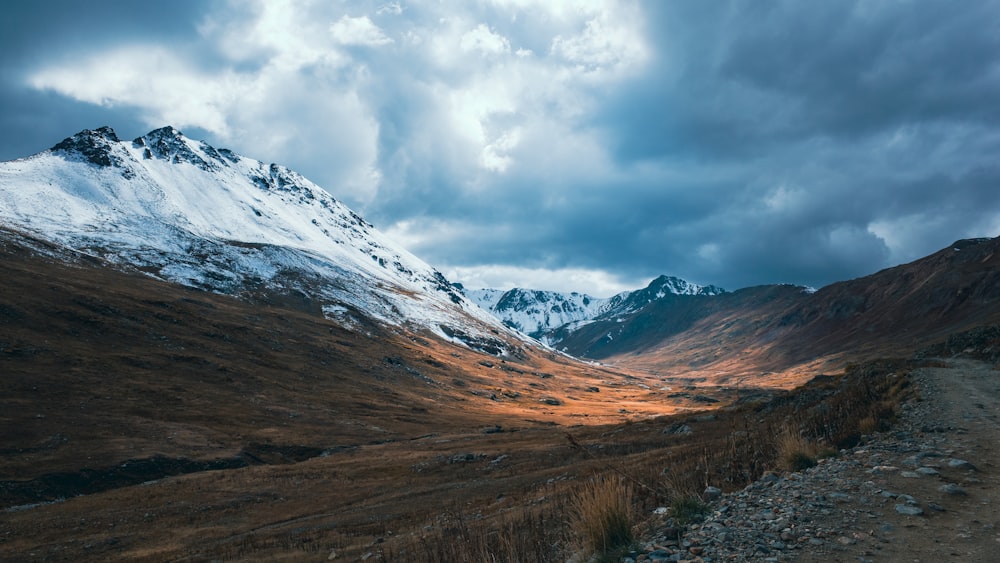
(395, 448)
(118, 388)
(205, 357)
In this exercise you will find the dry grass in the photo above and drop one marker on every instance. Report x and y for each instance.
(532, 535)
(868, 425)
(795, 453)
(601, 514)
(422, 506)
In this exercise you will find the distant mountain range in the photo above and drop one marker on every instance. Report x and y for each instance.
(540, 314)
(706, 333)
(756, 331)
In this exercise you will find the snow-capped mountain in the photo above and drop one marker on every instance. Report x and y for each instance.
(183, 211)
(535, 312)
(539, 313)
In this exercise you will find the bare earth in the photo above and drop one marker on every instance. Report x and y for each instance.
(957, 418)
(925, 491)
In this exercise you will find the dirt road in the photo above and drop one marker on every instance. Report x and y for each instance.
(945, 454)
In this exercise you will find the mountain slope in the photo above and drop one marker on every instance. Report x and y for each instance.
(779, 328)
(183, 211)
(100, 366)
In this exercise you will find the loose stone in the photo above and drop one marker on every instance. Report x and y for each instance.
(952, 489)
(961, 464)
(909, 510)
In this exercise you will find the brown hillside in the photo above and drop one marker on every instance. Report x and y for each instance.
(100, 367)
(772, 333)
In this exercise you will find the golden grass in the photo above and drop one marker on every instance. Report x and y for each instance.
(868, 425)
(795, 452)
(407, 500)
(601, 515)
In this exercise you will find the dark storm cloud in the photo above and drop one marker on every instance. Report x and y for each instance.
(862, 67)
(34, 33)
(876, 113)
(32, 30)
(733, 143)
(741, 76)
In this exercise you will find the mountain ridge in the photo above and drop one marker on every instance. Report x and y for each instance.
(768, 329)
(763, 330)
(184, 211)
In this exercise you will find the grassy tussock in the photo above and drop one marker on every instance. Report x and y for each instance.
(686, 510)
(601, 514)
(795, 453)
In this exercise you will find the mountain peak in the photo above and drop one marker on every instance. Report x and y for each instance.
(540, 313)
(166, 131)
(669, 284)
(94, 145)
(535, 312)
(169, 143)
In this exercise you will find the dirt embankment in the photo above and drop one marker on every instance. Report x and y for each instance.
(926, 490)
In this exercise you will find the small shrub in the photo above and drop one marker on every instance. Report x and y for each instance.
(688, 509)
(601, 514)
(868, 425)
(795, 452)
(797, 461)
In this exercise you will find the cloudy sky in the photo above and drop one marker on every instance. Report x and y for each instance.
(570, 145)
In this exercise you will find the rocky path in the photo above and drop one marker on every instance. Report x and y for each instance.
(927, 491)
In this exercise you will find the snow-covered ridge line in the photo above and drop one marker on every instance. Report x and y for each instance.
(535, 312)
(538, 313)
(184, 211)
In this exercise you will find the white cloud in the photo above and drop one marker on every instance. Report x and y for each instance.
(275, 32)
(559, 9)
(785, 200)
(297, 102)
(596, 283)
(277, 80)
(484, 40)
(499, 102)
(392, 9)
(151, 77)
(496, 155)
(251, 112)
(604, 45)
(358, 31)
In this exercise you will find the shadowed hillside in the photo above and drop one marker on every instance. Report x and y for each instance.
(764, 329)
